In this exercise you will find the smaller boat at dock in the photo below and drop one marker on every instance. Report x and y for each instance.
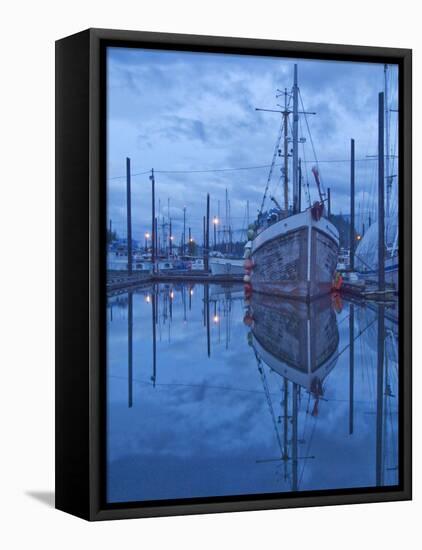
(224, 265)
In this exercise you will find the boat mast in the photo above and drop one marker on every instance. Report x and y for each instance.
(286, 113)
(295, 142)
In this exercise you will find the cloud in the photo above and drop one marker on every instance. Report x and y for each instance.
(183, 111)
(202, 428)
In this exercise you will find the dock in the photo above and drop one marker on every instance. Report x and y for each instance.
(367, 291)
(119, 280)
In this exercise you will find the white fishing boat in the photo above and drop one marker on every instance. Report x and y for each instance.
(343, 262)
(119, 262)
(293, 252)
(226, 266)
(198, 264)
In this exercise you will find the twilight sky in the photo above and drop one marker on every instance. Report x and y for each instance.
(182, 113)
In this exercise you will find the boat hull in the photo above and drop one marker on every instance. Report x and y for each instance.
(295, 257)
(296, 340)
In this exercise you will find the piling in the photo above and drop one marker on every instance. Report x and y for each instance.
(128, 217)
(381, 183)
(207, 235)
(153, 236)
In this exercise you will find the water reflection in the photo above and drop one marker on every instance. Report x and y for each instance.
(212, 395)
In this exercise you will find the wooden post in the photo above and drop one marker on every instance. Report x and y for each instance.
(157, 251)
(381, 182)
(207, 235)
(184, 230)
(128, 217)
(153, 220)
(203, 237)
(352, 205)
(207, 313)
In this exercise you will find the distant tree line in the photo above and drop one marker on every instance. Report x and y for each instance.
(111, 236)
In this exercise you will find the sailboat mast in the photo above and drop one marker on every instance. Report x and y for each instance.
(295, 143)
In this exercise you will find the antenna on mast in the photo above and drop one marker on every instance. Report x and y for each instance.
(295, 151)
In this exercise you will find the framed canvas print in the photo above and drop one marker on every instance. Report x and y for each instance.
(233, 274)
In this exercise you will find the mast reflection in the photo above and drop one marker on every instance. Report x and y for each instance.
(299, 341)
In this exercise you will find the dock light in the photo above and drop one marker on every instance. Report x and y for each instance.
(215, 220)
(358, 237)
(216, 318)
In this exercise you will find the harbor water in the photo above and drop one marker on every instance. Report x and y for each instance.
(210, 395)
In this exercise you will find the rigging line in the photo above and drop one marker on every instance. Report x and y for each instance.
(305, 185)
(258, 167)
(277, 145)
(204, 386)
(348, 345)
(308, 450)
(132, 175)
(310, 138)
(261, 370)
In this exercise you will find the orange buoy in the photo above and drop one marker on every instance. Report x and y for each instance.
(248, 264)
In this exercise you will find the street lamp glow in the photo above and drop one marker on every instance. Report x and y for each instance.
(215, 220)
(147, 235)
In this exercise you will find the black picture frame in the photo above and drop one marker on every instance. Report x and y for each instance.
(81, 281)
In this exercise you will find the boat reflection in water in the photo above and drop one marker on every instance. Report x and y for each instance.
(298, 341)
(211, 395)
